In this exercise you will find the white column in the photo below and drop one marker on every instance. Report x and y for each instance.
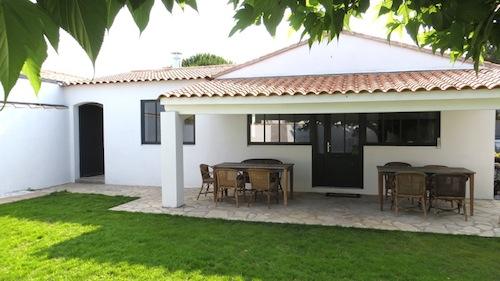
(172, 172)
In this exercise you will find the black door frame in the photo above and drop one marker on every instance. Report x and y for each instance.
(91, 150)
(362, 141)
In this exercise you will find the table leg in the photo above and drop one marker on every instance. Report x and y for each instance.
(291, 183)
(216, 191)
(285, 189)
(471, 190)
(381, 190)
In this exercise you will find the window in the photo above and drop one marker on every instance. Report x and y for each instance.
(413, 128)
(278, 129)
(150, 123)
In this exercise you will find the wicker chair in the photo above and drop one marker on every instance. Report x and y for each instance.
(430, 180)
(276, 175)
(228, 179)
(450, 188)
(390, 179)
(264, 182)
(410, 185)
(207, 181)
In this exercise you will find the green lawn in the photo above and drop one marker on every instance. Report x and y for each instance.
(67, 236)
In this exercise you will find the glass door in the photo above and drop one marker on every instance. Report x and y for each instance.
(337, 153)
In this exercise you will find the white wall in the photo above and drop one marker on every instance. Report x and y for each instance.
(350, 54)
(126, 160)
(467, 140)
(34, 148)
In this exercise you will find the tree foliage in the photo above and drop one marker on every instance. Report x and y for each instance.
(205, 59)
(492, 54)
(463, 28)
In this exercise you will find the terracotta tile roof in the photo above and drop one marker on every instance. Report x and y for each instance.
(163, 74)
(410, 81)
(56, 77)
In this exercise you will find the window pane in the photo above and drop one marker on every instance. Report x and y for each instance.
(373, 128)
(286, 128)
(351, 133)
(497, 125)
(151, 121)
(320, 136)
(337, 134)
(189, 127)
(158, 129)
(272, 125)
(409, 128)
(427, 128)
(302, 129)
(257, 128)
(391, 128)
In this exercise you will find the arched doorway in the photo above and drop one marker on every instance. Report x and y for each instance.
(91, 140)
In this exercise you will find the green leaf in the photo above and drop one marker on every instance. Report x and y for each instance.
(33, 65)
(190, 3)
(114, 6)
(412, 28)
(169, 4)
(21, 28)
(140, 10)
(85, 20)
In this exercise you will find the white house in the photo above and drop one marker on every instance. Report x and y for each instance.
(40, 135)
(336, 111)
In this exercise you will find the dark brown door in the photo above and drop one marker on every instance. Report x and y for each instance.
(337, 151)
(91, 140)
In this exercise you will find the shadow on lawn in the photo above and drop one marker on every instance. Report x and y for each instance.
(250, 250)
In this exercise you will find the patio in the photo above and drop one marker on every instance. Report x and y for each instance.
(305, 208)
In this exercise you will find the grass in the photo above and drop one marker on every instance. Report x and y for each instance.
(66, 236)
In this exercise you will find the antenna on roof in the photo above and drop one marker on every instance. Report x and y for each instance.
(176, 59)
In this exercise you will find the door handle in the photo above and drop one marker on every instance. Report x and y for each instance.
(328, 146)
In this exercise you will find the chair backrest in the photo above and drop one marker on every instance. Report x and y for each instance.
(449, 185)
(389, 178)
(396, 164)
(227, 178)
(410, 183)
(205, 172)
(260, 179)
(262, 161)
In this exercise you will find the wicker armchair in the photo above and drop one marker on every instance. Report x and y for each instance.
(226, 180)
(276, 175)
(264, 182)
(390, 179)
(450, 188)
(430, 182)
(410, 185)
(207, 181)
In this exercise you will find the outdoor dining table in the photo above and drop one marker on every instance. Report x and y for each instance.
(286, 169)
(386, 170)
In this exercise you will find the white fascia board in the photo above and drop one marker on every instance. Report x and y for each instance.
(342, 103)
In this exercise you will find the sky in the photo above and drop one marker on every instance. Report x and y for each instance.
(189, 32)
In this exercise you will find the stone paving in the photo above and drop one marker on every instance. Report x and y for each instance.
(305, 208)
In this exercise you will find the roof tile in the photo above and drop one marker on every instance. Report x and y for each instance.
(410, 81)
(164, 74)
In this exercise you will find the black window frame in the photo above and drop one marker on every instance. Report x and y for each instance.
(249, 123)
(143, 123)
(381, 129)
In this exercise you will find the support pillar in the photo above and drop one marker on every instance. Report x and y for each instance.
(172, 160)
